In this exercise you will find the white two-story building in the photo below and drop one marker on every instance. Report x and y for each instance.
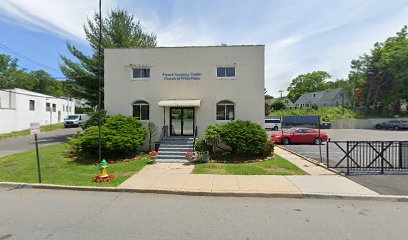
(186, 88)
(19, 108)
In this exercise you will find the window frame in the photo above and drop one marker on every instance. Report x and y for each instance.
(48, 107)
(226, 77)
(225, 103)
(140, 78)
(141, 103)
(54, 107)
(29, 105)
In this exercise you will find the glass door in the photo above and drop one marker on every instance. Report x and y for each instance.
(182, 121)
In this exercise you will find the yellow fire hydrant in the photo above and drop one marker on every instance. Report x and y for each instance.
(103, 167)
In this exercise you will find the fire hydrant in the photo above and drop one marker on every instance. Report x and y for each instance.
(103, 166)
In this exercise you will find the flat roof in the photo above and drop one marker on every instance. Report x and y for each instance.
(208, 46)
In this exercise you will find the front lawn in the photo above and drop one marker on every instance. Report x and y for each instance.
(56, 168)
(44, 128)
(276, 166)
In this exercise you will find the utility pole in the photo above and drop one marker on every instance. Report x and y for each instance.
(342, 104)
(99, 83)
(281, 92)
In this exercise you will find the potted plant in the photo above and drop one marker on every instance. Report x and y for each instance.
(153, 156)
(190, 156)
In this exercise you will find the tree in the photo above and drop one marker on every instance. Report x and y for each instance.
(278, 105)
(267, 109)
(310, 82)
(267, 96)
(120, 30)
(381, 77)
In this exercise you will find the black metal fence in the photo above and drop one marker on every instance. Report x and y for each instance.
(367, 156)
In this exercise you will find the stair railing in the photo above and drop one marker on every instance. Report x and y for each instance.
(195, 136)
(164, 133)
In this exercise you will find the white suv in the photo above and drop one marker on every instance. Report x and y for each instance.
(273, 124)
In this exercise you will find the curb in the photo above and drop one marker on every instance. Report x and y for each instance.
(312, 161)
(392, 198)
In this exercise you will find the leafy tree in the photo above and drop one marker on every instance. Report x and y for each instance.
(310, 82)
(120, 30)
(278, 105)
(380, 78)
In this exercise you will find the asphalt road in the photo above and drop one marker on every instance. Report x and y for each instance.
(57, 214)
(26, 143)
(391, 183)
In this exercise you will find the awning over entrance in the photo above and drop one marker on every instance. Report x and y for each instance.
(180, 103)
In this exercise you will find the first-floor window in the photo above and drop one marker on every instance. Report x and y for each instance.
(225, 110)
(32, 105)
(141, 110)
(48, 107)
(54, 107)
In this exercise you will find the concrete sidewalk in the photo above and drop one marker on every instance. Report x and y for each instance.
(177, 178)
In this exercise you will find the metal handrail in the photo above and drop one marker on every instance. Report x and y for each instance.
(195, 136)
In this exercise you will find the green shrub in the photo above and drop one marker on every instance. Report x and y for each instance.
(315, 106)
(244, 136)
(267, 149)
(212, 133)
(201, 145)
(93, 120)
(278, 105)
(119, 134)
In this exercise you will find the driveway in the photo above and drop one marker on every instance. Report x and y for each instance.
(26, 143)
(384, 184)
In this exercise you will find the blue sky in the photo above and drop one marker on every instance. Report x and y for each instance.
(300, 36)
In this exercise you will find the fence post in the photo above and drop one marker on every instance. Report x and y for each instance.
(348, 158)
(400, 155)
(382, 157)
(327, 152)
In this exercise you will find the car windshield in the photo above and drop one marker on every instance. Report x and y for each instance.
(289, 130)
(72, 117)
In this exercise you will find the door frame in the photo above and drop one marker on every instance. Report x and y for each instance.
(182, 120)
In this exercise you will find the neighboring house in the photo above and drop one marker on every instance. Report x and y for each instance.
(19, 108)
(185, 87)
(286, 100)
(329, 98)
(81, 103)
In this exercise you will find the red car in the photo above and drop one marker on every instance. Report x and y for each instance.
(299, 135)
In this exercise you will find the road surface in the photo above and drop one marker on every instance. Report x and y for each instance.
(57, 214)
(26, 143)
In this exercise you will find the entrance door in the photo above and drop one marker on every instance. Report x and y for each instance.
(182, 121)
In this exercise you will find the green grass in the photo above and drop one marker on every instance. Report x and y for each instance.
(329, 113)
(59, 169)
(276, 166)
(44, 128)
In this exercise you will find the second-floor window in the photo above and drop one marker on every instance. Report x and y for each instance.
(32, 105)
(225, 72)
(141, 73)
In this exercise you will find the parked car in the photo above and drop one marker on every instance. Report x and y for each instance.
(273, 124)
(75, 120)
(325, 125)
(393, 124)
(300, 135)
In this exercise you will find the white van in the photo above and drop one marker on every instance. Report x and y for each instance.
(75, 120)
(273, 124)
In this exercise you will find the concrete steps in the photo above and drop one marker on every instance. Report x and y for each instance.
(173, 149)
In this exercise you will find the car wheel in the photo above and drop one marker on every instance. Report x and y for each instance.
(378, 126)
(275, 128)
(396, 128)
(286, 141)
(317, 141)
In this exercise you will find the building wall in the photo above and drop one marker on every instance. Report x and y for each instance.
(15, 114)
(360, 123)
(246, 90)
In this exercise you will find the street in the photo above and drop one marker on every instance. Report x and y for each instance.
(26, 143)
(55, 214)
(391, 183)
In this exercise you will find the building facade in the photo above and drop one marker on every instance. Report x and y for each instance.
(19, 108)
(330, 98)
(186, 88)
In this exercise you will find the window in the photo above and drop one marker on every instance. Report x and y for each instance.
(32, 105)
(141, 73)
(54, 107)
(141, 110)
(66, 108)
(225, 110)
(48, 107)
(225, 72)
(63, 108)
(314, 94)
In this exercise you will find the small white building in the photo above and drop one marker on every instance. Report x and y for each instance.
(186, 87)
(19, 108)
